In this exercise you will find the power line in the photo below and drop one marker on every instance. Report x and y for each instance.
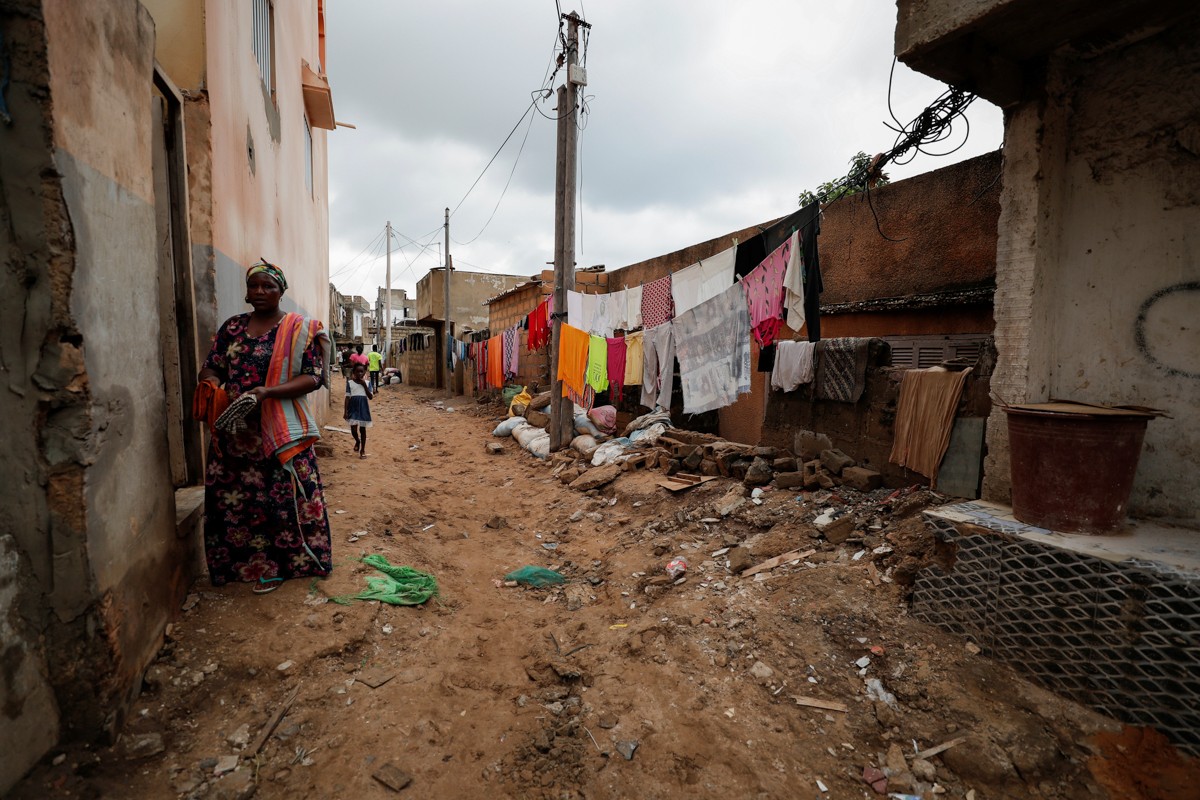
(342, 268)
(503, 192)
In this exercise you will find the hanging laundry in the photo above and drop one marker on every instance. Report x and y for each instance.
(793, 365)
(538, 324)
(618, 311)
(703, 280)
(657, 305)
(495, 364)
(793, 284)
(575, 309)
(841, 369)
(712, 343)
(572, 364)
(633, 308)
(634, 359)
(766, 359)
(512, 346)
(587, 311)
(764, 294)
(658, 373)
(925, 417)
(616, 365)
(481, 365)
(597, 363)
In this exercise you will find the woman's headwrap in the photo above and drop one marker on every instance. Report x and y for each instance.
(272, 271)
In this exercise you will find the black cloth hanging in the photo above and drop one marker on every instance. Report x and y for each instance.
(752, 252)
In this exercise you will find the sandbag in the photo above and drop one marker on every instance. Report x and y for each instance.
(525, 433)
(610, 452)
(585, 445)
(539, 445)
(520, 401)
(506, 428)
(605, 418)
(649, 435)
(583, 425)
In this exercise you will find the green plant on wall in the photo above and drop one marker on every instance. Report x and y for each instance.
(832, 190)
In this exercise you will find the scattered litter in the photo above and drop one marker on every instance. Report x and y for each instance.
(858, 555)
(550, 545)
(387, 629)
(286, 665)
(709, 520)
(535, 576)
(822, 786)
(397, 586)
(941, 748)
(876, 691)
(427, 527)
(392, 777)
(225, 764)
(863, 662)
(772, 563)
(627, 748)
(676, 567)
(720, 552)
(824, 705)
(618, 626)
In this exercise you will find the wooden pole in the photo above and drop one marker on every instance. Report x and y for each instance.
(562, 417)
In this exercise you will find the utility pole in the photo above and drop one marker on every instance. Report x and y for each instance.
(387, 342)
(446, 316)
(562, 412)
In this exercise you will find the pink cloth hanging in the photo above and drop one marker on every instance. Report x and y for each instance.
(764, 294)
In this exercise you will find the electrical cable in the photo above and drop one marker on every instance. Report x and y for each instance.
(365, 249)
(503, 192)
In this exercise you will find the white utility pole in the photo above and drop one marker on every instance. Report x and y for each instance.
(446, 314)
(562, 412)
(387, 347)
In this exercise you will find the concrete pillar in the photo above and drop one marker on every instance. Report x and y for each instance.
(1035, 136)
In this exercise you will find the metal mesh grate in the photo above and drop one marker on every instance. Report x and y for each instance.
(1123, 638)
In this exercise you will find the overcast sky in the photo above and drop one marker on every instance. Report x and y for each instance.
(705, 117)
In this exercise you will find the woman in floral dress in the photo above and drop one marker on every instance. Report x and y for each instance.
(265, 520)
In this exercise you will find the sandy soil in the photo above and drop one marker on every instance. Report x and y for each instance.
(619, 684)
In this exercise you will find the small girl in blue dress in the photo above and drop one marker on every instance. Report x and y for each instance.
(357, 409)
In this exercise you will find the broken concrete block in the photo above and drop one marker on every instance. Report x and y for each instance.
(810, 469)
(861, 478)
(789, 480)
(595, 478)
(784, 464)
(838, 530)
(825, 480)
(709, 467)
(739, 559)
(692, 460)
(738, 468)
(734, 499)
(768, 453)
(759, 473)
(494, 448)
(809, 445)
(835, 461)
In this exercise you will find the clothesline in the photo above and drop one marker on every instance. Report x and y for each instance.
(705, 315)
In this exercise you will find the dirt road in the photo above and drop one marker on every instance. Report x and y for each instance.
(619, 684)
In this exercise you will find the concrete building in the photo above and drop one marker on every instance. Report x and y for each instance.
(1097, 274)
(134, 194)
(468, 293)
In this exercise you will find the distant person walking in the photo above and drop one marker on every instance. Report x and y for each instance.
(357, 408)
(375, 364)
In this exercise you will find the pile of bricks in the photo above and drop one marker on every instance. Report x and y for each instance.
(706, 454)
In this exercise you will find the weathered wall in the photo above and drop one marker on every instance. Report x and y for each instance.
(864, 430)
(179, 40)
(1099, 288)
(91, 564)
(419, 366)
(468, 291)
(944, 224)
(261, 206)
(511, 309)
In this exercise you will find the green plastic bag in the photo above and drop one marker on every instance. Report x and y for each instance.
(399, 586)
(535, 576)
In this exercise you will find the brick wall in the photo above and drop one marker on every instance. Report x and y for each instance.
(864, 430)
(419, 367)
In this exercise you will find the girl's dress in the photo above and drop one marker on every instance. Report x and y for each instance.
(259, 521)
(358, 405)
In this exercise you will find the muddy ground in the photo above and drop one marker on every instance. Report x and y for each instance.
(807, 680)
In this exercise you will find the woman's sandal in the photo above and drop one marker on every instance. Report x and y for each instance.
(267, 585)
(362, 455)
